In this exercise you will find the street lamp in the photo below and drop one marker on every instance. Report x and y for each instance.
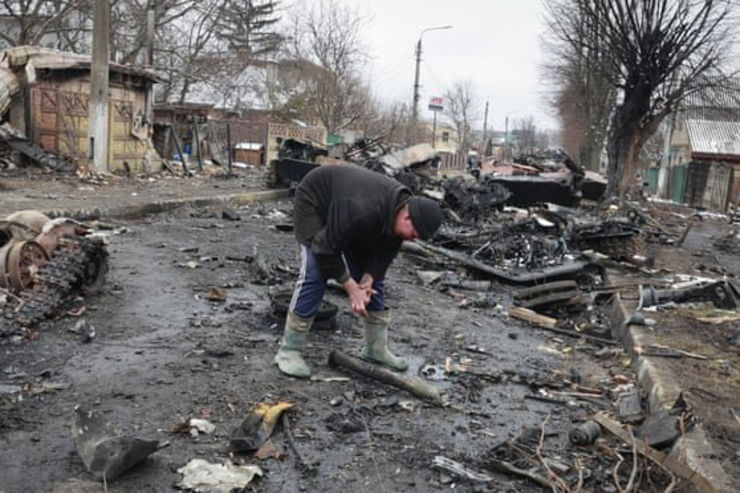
(415, 107)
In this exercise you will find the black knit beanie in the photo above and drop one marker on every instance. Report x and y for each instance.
(426, 215)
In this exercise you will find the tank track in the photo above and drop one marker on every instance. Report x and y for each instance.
(66, 272)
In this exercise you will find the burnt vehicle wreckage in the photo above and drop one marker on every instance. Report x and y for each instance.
(44, 262)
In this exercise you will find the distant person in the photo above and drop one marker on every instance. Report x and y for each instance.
(350, 223)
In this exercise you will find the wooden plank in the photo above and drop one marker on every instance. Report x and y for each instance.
(533, 317)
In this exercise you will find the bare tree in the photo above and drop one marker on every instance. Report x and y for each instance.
(129, 21)
(583, 98)
(460, 109)
(321, 78)
(387, 120)
(656, 52)
(524, 131)
(66, 24)
(30, 22)
(203, 56)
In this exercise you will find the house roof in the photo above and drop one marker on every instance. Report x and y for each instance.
(714, 136)
(46, 58)
(712, 118)
(720, 94)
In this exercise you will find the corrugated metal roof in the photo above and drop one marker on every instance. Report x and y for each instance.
(723, 94)
(714, 137)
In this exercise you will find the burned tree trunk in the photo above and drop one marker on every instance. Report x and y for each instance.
(624, 142)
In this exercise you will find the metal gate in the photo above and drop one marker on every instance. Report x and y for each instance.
(677, 183)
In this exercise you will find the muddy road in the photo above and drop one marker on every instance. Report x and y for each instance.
(164, 354)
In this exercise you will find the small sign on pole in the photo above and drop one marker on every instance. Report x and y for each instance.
(436, 104)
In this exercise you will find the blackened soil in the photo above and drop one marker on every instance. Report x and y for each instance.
(164, 354)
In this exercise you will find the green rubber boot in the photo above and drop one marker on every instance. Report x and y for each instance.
(376, 341)
(289, 357)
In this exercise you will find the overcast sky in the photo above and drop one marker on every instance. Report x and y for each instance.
(494, 43)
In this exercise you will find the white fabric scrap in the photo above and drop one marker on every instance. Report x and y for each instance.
(203, 477)
(202, 426)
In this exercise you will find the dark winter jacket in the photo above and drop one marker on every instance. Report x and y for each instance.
(347, 209)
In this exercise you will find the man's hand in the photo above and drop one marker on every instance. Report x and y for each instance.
(366, 283)
(359, 297)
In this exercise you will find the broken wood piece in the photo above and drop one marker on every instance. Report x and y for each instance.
(533, 317)
(418, 388)
(302, 462)
(551, 324)
(659, 350)
(549, 400)
(506, 467)
(737, 418)
(718, 320)
(671, 464)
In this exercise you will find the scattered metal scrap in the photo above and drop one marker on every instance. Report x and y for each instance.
(36, 154)
(42, 262)
(722, 294)
(105, 451)
(664, 460)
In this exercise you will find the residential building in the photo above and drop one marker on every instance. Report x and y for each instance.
(701, 159)
(46, 94)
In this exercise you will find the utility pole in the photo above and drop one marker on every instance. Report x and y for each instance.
(150, 57)
(506, 140)
(97, 143)
(415, 107)
(410, 134)
(150, 33)
(485, 129)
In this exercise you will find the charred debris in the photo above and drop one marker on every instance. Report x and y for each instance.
(523, 223)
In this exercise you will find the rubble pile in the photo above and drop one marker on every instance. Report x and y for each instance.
(43, 262)
(473, 199)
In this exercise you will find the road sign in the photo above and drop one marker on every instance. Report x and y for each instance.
(436, 104)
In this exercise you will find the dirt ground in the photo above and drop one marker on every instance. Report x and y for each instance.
(35, 189)
(712, 385)
(164, 354)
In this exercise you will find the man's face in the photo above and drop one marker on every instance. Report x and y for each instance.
(404, 228)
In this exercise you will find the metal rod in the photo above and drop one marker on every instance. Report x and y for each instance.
(179, 151)
(228, 146)
(197, 146)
